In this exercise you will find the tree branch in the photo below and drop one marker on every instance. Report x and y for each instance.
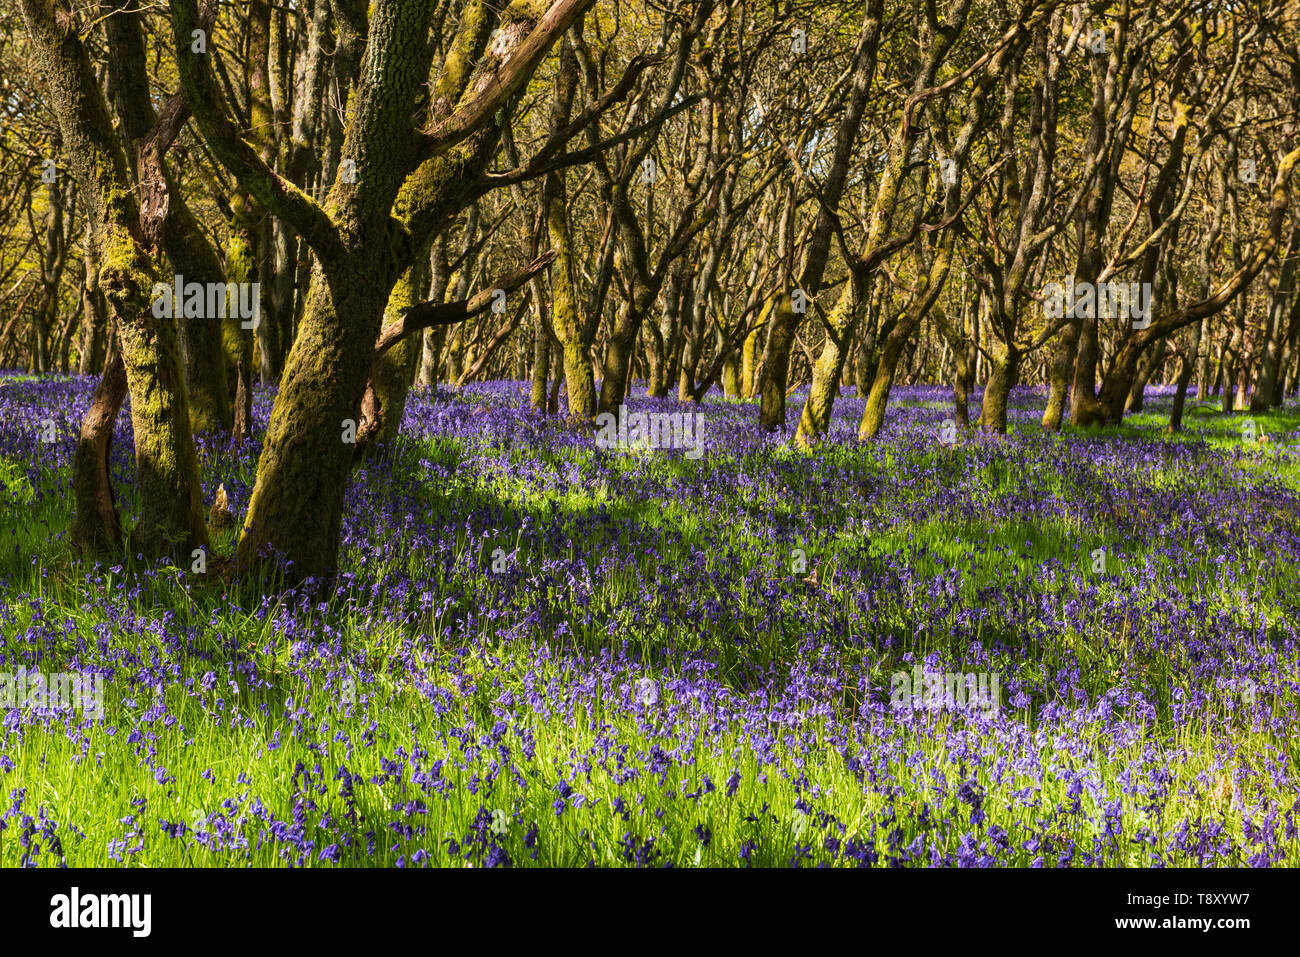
(430, 313)
(276, 194)
(508, 79)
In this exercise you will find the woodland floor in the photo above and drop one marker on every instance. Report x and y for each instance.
(682, 661)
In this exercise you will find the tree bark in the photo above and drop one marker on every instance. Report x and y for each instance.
(171, 516)
(97, 529)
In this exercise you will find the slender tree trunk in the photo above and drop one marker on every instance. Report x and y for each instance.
(96, 526)
(749, 355)
(1185, 370)
(537, 400)
(1204, 384)
(566, 319)
(730, 367)
(94, 322)
(434, 338)
(820, 404)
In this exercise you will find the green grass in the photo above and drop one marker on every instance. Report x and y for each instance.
(87, 779)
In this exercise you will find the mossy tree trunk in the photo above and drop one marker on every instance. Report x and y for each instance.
(961, 384)
(619, 350)
(171, 518)
(241, 269)
(432, 339)
(395, 369)
(94, 321)
(1060, 372)
(997, 391)
(566, 318)
(825, 388)
(188, 250)
(749, 353)
(296, 509)
(541, 372)
(194, 258)
(873, 413)
(730, 365)
(409, 183)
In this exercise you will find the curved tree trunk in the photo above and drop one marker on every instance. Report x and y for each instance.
(818, 407)
(171, 515)
(96, 526)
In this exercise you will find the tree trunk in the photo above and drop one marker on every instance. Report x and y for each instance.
(618, 362)
(297, 504)
(820, 404)
(395, 369)
(1137, 391)
(1002, 376)
(749, 355)
(434, 338)
(94, 321)
(541, 362)
(1180, 395)
(566, 319)
(873, 414)
(171, 515)
(97, 529)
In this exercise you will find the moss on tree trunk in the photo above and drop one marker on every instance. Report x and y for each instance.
(816, 417)
(297, 504)
(171, 515)
(774, 377)
(171, 512)
(395, 368)
(1002, 376)
(566, 320)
